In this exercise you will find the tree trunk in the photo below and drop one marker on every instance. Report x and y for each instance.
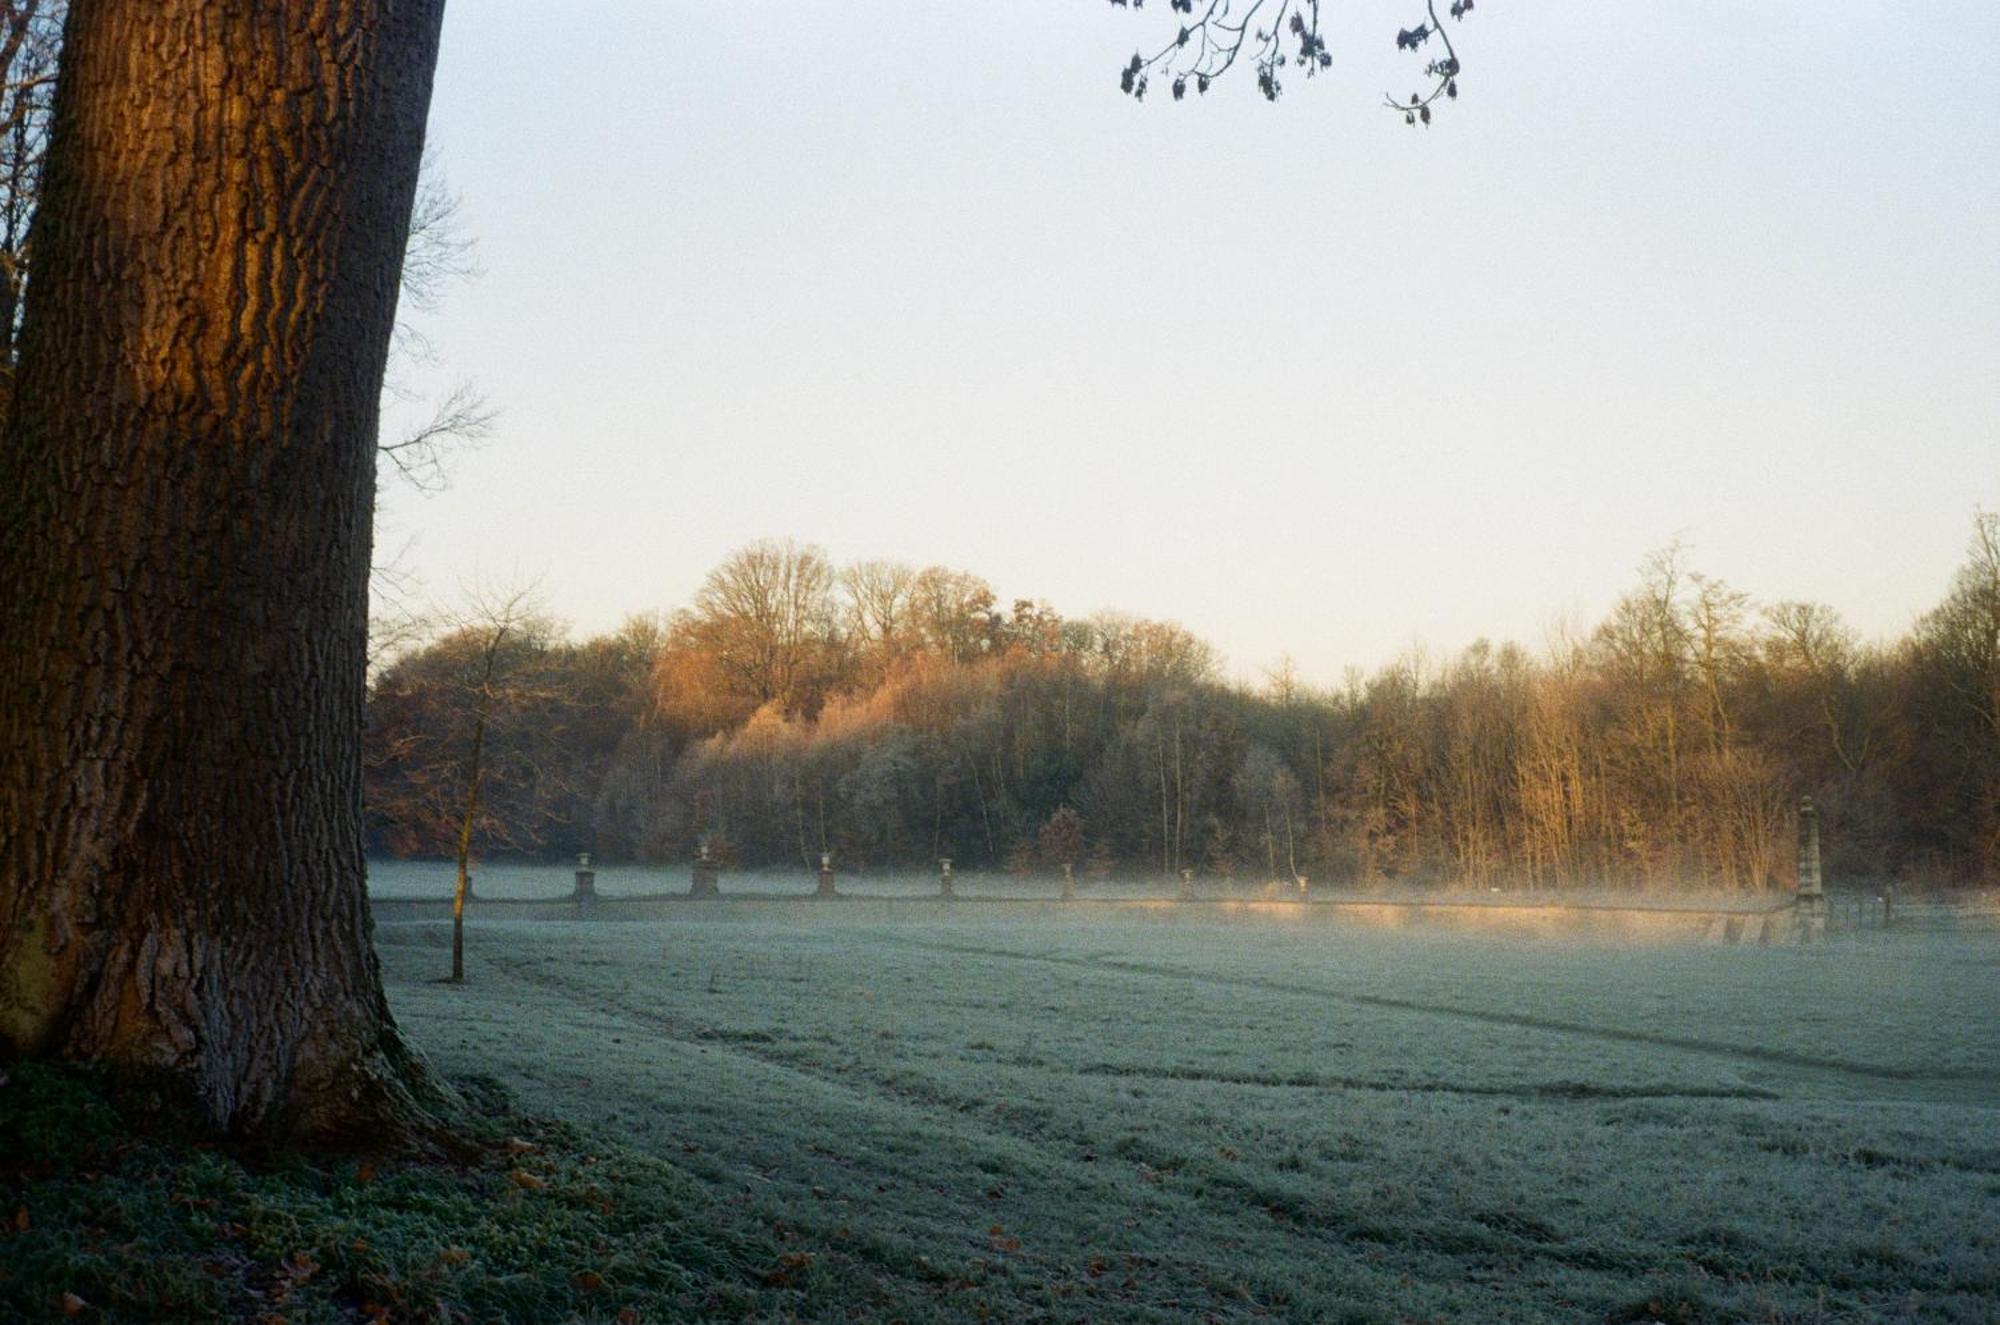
(186, 492)
(463, 843)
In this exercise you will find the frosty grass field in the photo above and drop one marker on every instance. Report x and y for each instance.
(1019, 1110)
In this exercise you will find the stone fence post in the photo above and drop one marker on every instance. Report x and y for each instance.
(1069, 882)
(944, 876)
(825, 876)
(704, 875)
(586, 880)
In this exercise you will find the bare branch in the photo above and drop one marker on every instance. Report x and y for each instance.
(439, 251)
(462, 420)
(1275, 36)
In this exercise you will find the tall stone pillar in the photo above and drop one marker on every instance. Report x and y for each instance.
(1069, 882)
(1187, 886)
(586, 880)
(825, 876)
(1812, 904)
(944, 877)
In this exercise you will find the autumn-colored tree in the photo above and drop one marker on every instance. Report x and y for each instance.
(1665, 748)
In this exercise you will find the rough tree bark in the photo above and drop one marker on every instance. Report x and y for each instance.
(186, 490)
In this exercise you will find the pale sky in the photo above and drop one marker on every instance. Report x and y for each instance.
(917, 282)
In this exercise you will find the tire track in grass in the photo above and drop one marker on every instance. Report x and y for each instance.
(1308, 1222)
(872, 1089)
(1544, 1091)
(1872, 1072)
(1227, 1197)
(1581, 1091)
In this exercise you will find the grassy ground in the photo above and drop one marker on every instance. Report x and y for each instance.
(1011, 1112)
(545, 1226)
(910, 1111)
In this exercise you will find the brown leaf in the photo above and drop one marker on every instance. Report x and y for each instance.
(587, 1281)
(366, 1173)
(72, 1305)
(455, 1256)
(629, 1316)
(21, 1218)
(516, 1146)
(523, 1178)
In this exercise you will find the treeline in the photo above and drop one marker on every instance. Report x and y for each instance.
(892, 716)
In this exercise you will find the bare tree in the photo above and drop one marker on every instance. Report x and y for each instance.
(768, 615)
(951, 613)
(879, 606)
(1810, 652)
(478, 704)
(1955, 705)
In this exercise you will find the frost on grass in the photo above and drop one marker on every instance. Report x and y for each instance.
(1157, 1114)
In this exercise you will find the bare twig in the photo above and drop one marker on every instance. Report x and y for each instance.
(462, 420)
(1275, 35)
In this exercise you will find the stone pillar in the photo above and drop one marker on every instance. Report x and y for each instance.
(1303, 886)
(1812, 904)
(1069, 882)
(944, 876)
(704, 875)
(1187, 886)
(586, 879)
(825, 876)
